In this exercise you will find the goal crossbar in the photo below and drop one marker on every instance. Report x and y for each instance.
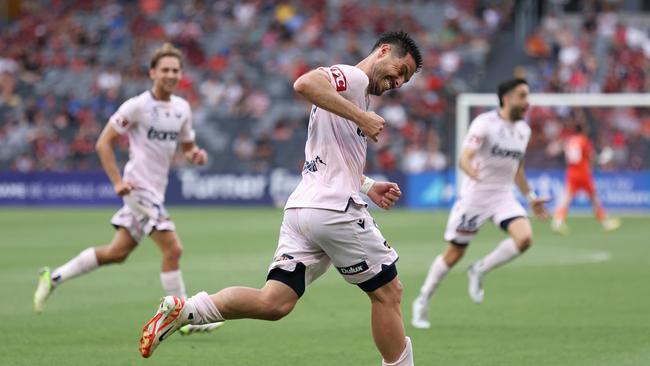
(467, 100)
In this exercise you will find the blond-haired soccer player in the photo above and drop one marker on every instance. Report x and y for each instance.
(155, 122)
(325, 219)
(493, 160)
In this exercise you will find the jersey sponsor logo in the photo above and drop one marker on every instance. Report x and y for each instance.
(339, 79)
(154, 134)
(353, 269)
(312, 165)
(505, 153)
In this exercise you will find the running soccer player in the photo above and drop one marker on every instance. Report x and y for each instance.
(493, 161)
(155, 122)
(578, 152)
(325, 218)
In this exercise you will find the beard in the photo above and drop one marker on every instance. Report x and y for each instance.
(376, 82)
(169, 86)
(374, 87)
(517, 113)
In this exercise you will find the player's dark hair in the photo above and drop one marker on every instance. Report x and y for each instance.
(404, 45)
(506, 86)
(166, 50)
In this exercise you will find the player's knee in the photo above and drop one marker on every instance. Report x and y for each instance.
(280, 311)
(389, 294)
(277, 310)
(118, 256)
(173, 252)
(525, 242)
(453, 254)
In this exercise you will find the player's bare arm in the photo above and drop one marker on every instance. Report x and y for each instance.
(104, 148)
(383, 194)
(466, 165)
(536, 203)
(194, 154)
(315, 86)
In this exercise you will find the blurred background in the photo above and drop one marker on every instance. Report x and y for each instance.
(66, 66)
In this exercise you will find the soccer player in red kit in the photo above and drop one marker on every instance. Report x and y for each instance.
(578, 152)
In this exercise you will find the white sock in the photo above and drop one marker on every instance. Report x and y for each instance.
(85, 262)
(405, 359)
(506, 251)
(437, 271)
(172, 283)
(201, 309)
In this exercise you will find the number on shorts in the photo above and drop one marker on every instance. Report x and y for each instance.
(467, 226)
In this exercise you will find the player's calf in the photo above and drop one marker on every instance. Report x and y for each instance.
(405, 359)
(109, 254)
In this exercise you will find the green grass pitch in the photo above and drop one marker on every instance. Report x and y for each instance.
(581, 299)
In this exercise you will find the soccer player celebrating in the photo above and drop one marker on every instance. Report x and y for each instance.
(578, 152)
(155, 122)
(325, 218)
(493, 159)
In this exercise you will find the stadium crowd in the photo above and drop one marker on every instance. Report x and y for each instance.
(67, 66)
(603, 52)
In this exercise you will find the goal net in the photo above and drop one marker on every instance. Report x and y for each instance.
(618, 126)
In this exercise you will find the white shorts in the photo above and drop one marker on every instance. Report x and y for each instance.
(311, 239)
(470, 213)
(141, 214)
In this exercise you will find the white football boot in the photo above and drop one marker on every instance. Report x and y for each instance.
(43, 289)
(199, 328)
(168, 319)
(475, 287)
(420, 316)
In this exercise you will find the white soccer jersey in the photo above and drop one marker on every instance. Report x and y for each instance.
(500, 146)
(335, 152)
(154, 128)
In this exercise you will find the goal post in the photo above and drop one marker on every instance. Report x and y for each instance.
(465, 101)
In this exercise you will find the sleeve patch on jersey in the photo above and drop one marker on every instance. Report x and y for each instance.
(475, 140)
(121, 121)
(339, 79)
